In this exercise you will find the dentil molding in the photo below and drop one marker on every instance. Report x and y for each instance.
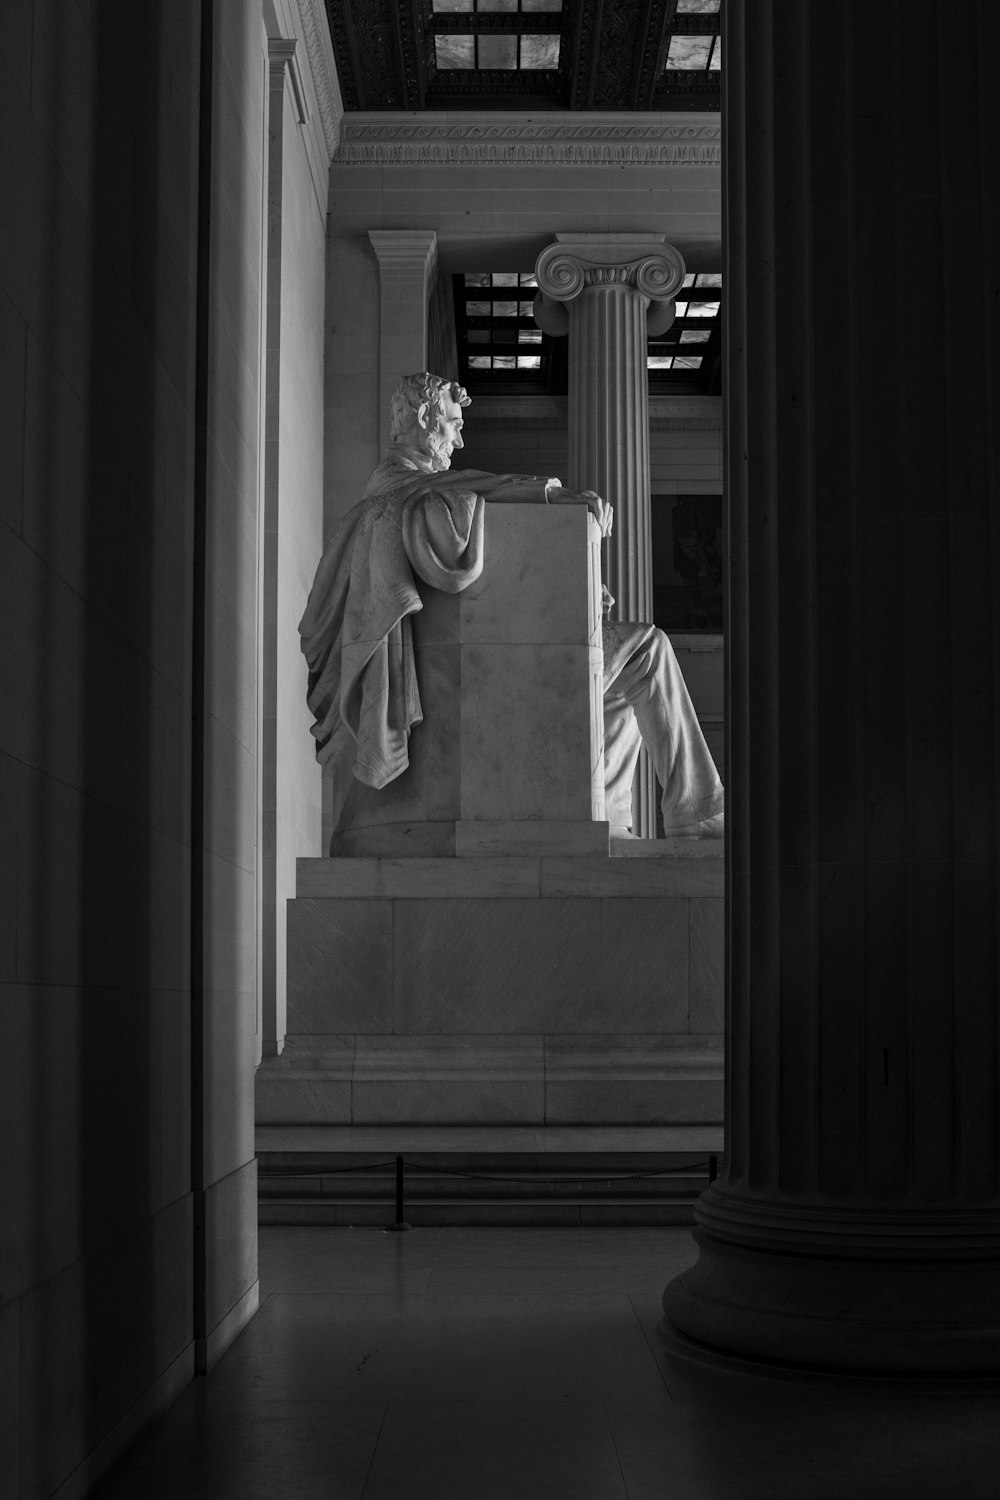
(650, 139)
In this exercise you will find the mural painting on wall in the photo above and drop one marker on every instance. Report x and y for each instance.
(687, 562)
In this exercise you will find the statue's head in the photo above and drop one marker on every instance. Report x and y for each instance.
(427, 414)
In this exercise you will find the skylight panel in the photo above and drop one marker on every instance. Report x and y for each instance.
(698, 7)
(541, 51)
(497, 51)
(455, 51)
(688, 53)
(702, 309)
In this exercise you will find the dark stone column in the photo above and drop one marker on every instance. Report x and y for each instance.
(857, 1224)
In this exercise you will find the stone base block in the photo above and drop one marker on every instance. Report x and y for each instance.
(492, 1080)
(502, 990)
(473, 839)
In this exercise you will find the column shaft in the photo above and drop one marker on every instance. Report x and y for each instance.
(858, 1220)
(608, 439)
(608, 448)
(608, 283)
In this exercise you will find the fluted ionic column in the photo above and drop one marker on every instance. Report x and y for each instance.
(857, 1223)
(608, 292)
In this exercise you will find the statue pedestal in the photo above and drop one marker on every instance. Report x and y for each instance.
(509, 758)
(476, 952)
(527, 990)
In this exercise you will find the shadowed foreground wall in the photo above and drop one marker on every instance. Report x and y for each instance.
(127, 1241)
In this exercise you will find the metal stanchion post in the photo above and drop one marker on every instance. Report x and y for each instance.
(400, 1223)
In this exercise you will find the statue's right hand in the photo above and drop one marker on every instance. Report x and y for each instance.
(599, 509)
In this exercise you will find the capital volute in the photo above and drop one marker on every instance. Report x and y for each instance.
(643, 264)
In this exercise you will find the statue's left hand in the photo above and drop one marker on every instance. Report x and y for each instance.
(599, 509)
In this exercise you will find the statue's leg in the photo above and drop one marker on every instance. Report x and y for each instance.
(621, 751)
(641, 670)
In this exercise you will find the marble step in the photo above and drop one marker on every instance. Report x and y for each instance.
(608, 1213)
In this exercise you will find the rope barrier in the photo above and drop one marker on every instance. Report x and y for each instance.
(530, 1177)
(399, 1163)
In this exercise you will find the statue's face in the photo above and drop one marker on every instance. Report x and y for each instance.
(444, 433)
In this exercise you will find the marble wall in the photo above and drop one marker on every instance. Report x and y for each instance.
(291, 530)
(129, 549)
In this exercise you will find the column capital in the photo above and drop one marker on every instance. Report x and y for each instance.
(643, 263)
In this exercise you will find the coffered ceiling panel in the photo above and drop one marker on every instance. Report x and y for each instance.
(528, 54)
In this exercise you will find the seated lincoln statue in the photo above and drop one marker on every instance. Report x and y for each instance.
(419, 525)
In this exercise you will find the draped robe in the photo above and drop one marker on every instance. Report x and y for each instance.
(412, 523)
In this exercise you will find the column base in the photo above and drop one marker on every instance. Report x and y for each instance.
(889, 1316)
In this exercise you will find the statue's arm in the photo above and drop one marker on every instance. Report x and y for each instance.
(530, 489)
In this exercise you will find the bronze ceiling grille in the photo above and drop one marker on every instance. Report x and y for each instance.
(612, 54)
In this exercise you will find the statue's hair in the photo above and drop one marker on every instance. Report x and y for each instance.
(414, 391)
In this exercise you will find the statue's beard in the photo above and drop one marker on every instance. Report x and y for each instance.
(439, 451)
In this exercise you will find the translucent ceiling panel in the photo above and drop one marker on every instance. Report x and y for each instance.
(698, 7)
(497, 5)
(540, 51)
(452, 5)
(689, 52)
(531, 5)
(455, 51)
(497, 51)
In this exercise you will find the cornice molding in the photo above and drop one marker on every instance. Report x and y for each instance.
(373, 139)
(319, 52)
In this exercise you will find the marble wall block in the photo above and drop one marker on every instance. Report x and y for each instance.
(416, 1079)
(707, 965)
(647, 1079)
(341, 968)
(523, 965)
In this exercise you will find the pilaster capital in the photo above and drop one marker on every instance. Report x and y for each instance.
(282, 59)
(643, 263)
(404, 250)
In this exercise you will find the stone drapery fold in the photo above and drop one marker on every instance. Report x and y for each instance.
(412, 524)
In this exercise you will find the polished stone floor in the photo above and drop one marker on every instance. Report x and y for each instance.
(525, 1364)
